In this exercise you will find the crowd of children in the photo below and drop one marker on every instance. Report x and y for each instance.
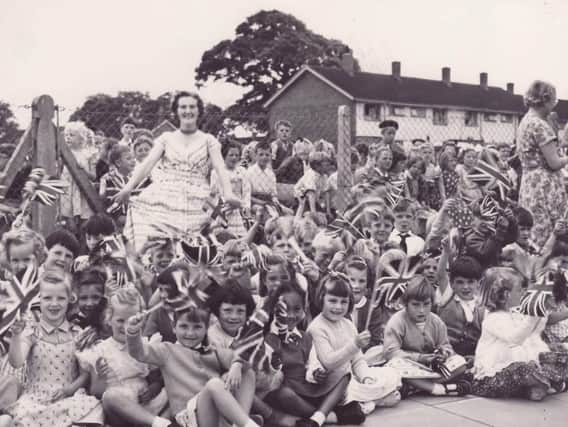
(287, 311)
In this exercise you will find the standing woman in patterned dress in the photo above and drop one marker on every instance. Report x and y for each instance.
(542, 189)
(177, 196)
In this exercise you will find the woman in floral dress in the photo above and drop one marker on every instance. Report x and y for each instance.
(542, 189)
(180, 191)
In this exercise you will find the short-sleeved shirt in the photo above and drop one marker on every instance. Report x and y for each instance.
(534, 132)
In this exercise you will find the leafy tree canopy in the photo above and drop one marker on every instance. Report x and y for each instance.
(105, 112)
(267, 50)
(9, 130)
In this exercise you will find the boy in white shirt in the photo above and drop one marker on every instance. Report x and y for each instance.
(402, 235)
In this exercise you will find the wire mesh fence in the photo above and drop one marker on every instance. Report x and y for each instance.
(344, 133)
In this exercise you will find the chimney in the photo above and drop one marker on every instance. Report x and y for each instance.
(396, 70)
(483, 81)
(348, 63)
(511, 88)
(446, 71)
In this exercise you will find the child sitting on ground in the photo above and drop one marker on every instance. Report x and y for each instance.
(417, 334)
(232, 305)
(192, 369)
(127, 396)
(460, 310)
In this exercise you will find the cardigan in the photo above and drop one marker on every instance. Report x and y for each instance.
(404, 339)
(334, 343)
(185, 371)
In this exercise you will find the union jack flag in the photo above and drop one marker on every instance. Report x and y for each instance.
(389, 289)
(487, 170)
(17, 295)
(113, 182)
(44, 191)
(250, 346)
(111, 252)
(339, 225)
(534, 301)
(395, 192)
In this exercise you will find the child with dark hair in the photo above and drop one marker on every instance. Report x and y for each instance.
(161, 321)
(62, 249)
(232, 305)
(417, 334)
(523, 250)
(313, 402)
(448, 164)
(122, 164)
(241, 188)
(192, 369)
(337, 348)
(96, 229)
(89, 286)
(415, 184)
(460, 309)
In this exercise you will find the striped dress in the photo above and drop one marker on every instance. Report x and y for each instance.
(177, 194)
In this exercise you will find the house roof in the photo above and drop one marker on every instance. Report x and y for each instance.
(415, 91)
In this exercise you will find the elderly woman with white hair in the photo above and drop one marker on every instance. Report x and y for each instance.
(542, 189)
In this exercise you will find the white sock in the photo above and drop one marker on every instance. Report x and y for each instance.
(439, 390)
(251, 423)
(318, 417)
(161, 422)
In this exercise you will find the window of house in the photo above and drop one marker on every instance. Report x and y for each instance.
(418, 112)
(471, 118)
(398, 110)
(506, 118)
(490, 117)
(440, 117)
(372, 112)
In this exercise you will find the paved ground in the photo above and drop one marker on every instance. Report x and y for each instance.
(473, 412)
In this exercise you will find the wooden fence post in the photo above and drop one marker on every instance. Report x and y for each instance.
(344, 174)
(45, 155)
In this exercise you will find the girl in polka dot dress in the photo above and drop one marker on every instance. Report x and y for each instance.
(53, 394)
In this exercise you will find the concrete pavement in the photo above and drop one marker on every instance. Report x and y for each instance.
(423, 411)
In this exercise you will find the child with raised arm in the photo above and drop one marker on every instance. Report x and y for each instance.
(192, 370)
(126, 396)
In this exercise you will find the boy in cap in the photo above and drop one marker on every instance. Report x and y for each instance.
(388, 131)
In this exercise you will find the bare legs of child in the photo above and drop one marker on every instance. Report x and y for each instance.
(121, 407)
(313, 416)
(215, 401)
(272, 416)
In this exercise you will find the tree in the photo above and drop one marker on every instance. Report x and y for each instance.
(105, 113)
(268, 49)
(9, 130)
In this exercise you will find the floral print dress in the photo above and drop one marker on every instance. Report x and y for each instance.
(542, 190)
(52, 365)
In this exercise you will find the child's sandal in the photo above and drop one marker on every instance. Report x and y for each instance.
(460, 388)
(560, 386)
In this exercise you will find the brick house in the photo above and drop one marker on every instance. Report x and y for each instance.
(435, 110)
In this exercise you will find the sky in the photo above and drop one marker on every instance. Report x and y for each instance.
(71, 49)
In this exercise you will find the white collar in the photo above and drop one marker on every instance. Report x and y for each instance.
(361, 303)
